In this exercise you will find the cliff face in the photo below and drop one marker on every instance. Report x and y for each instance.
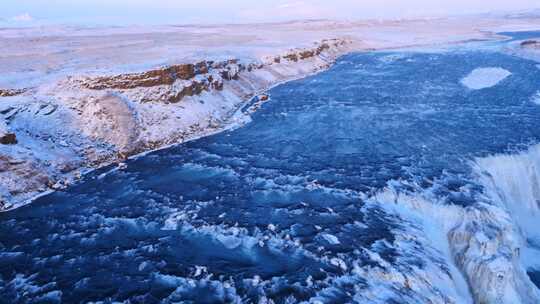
(173, 83)
(82, 122)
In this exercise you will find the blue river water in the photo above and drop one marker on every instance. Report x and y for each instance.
(276, 207)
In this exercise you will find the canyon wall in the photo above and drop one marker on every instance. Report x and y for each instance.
(55, 133)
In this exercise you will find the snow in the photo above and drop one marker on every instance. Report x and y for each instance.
(106, 51)
(511, 184)
(482, 78)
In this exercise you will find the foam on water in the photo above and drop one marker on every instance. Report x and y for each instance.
(536, 98)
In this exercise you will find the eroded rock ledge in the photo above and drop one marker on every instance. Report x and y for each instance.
(12, 92)
(173, 83)
(58, 131)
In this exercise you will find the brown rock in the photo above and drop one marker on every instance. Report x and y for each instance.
(306, 54)
(322, 48)
(123, 155)
(195, 88)
(201, 68)
(182, 71)
(291, 57)
(8, 139)
(11, 92)
(216, 84)
(230, 73)
(165, 76)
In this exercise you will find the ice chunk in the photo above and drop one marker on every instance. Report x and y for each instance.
(482, 78)
(332, 239)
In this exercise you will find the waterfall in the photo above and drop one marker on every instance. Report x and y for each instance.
(512, 181)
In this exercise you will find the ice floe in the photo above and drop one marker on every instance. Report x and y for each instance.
(483, 78)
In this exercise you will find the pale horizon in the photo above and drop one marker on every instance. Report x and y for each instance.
(124, 12)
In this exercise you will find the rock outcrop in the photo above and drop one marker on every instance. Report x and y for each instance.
(17, 177)
(173, 83)
(147, 79)
(8, 139)
(11, 92)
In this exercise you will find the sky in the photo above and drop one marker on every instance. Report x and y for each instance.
(239, 11)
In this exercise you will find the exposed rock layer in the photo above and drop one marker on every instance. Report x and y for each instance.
(193, 78)
(11, 92)
(8, 139)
